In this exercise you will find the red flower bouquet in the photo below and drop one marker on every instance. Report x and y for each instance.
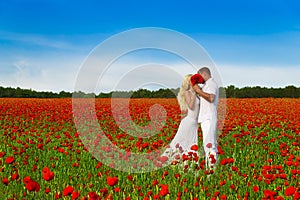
(196, 79)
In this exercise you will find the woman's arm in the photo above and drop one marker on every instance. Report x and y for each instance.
(208, 97)
(190, 98)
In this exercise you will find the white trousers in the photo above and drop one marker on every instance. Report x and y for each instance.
(210, 145)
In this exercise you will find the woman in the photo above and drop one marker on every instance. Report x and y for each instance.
(187, 133)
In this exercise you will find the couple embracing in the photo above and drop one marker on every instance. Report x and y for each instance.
(201, 105)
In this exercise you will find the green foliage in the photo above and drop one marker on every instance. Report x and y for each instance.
(230, 91)
(262, 92)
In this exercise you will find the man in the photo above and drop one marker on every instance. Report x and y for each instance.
(209, 96)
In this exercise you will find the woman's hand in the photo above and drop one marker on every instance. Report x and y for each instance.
(196, 88)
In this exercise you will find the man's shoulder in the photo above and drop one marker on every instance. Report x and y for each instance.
(211, 81)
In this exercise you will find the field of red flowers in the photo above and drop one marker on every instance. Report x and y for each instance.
(43, 157)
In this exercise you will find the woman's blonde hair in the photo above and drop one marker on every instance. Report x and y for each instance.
(184, 87)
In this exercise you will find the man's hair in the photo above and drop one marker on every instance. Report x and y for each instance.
(204, 70)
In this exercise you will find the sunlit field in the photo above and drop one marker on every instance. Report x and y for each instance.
(42, 155)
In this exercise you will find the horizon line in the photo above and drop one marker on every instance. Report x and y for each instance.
(103, 92)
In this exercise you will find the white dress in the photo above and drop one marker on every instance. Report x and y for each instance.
(187, 134)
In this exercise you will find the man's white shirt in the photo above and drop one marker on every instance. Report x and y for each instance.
(208, 111)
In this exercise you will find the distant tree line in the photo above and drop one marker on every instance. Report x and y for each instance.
(142, 93)
(231, 92)
(262, 92)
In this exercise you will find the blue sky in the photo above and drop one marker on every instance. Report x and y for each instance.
(44, 43)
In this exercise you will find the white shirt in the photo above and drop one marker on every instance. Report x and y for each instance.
(208, 111)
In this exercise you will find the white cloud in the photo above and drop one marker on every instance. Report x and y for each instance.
(132, 75)
(57, 71)
(266, 76)
(35, 40)
(135, 74)
(64, 42)
(41, 75)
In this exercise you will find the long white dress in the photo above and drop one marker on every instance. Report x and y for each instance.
(187, 134)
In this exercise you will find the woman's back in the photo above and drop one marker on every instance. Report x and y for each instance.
(195, 112)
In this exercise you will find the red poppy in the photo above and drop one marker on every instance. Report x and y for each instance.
(185, 157)
(47, 174)
(129, 177)
(255, 188)
(75, 195)
(26, 179)
(220, 151)
(154, 182)
(93, 196)
(144, 145)
(216, 194)
(10, 159)
(209, 145)
(57, 195)
(5, 181)
(104, 191)
(234, 168)
(194, 147)
(163, 159)
(289, 191)
(297, 195)
(224, 161)
(196, 79)
(222, 182)
(177, 157)
(164, 190)
(213, 160)
(47, 190)
(99, 165)
(112, 180)
(32, 186)
(68, 190)
(34, 168)
(2, 154)
(269, 193)
(15, 176)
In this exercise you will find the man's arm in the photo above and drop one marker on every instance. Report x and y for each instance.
(208, 97)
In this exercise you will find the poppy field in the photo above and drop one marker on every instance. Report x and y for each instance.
(42, 155)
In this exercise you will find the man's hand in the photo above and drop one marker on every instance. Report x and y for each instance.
(208, 97)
